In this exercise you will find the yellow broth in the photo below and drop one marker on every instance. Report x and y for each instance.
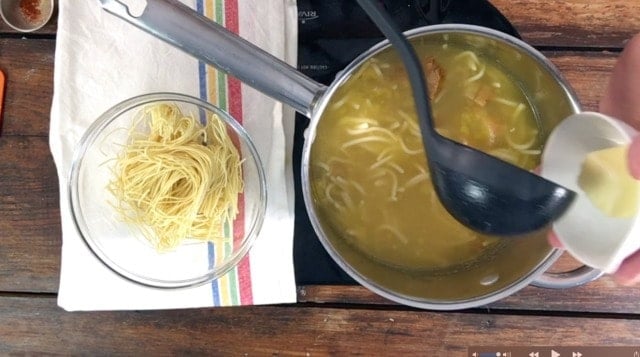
(369, 176)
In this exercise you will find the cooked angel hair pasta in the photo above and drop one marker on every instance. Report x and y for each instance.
(369, 174)
(177, 178)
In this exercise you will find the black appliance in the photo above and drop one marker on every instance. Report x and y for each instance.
(331, 33)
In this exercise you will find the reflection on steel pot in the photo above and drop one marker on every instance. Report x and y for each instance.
(435, 265)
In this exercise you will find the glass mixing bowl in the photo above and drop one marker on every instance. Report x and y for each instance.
(121, 246)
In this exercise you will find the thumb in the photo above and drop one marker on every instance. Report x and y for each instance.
(634, 157)
(554, 241)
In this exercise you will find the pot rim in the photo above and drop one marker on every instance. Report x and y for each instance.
(320, 106)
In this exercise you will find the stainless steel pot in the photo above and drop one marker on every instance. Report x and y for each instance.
(515, 265)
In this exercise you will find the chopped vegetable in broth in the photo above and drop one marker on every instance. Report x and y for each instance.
(369, 175)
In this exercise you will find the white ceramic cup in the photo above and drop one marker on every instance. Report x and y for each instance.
(592, 237)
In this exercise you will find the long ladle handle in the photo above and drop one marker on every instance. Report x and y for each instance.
(195, 34)
(387, 25)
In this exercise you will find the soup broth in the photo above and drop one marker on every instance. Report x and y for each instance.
(369, 175)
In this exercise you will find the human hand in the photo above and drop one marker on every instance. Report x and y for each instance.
(621, 100)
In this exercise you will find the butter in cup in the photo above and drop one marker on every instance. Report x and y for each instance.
(590, 235)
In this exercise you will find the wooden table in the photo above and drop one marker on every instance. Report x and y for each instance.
(582, 37)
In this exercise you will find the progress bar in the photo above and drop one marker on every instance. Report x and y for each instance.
(547, 351)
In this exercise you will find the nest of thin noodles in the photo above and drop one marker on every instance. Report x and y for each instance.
(177, 178)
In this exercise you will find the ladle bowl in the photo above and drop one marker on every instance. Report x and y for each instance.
(492, 196)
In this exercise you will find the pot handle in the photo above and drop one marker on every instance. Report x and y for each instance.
(184, 28)
(569, 279)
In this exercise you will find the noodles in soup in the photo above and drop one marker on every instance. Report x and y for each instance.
(369, 175)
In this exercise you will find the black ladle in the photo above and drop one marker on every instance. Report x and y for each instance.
(484, 193)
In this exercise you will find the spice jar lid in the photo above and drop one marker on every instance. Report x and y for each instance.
(26, 15)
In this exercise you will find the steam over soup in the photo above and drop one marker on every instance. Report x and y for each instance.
(369, 175)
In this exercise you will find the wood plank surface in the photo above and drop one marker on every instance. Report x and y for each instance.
(29, 216)
(587, 73)
(291, 331)
(573, 23)
(28, 67)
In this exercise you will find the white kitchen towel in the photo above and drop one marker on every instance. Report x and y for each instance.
(102, 60)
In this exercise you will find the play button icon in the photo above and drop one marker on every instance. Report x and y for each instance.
(554, 354)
